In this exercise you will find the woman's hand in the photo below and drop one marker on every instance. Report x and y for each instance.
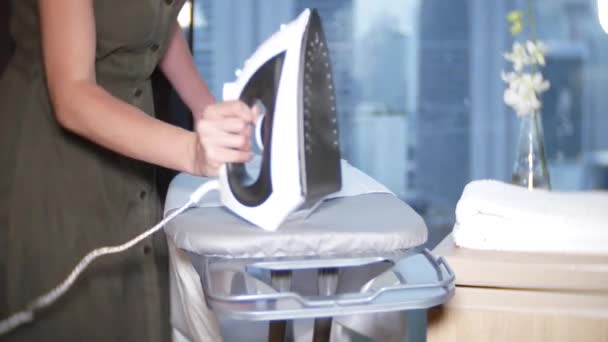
(223, 135)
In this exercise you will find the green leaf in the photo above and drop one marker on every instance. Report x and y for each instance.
(515, 16)
(516, 28)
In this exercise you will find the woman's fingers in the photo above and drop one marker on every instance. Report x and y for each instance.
(212, 157)
(235, 141)
(227, 109)
(235, 125)
(223, 134)
(220, 146)
(216, 156)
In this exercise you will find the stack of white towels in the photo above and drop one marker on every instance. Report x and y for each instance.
(493, 215)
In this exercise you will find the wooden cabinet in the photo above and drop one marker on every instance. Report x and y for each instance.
(508, 296)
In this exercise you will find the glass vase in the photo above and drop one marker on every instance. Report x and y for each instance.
(530, 169)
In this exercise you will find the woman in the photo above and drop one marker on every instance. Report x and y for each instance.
(77, 143)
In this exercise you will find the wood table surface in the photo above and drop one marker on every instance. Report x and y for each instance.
(514, 296)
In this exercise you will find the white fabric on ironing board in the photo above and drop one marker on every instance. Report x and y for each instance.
(500, 216)
(354, 182)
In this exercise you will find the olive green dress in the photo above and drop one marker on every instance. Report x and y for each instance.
(61, 196)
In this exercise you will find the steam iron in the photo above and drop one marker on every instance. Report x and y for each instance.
(289, 76)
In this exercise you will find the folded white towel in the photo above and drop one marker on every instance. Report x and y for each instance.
(500, 216)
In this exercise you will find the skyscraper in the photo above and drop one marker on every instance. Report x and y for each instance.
(225, 37)
(442, 122)
(202, 48)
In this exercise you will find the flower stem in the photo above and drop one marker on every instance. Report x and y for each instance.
(532, 20)
(537, 119)
(541, 147)
(531, 159)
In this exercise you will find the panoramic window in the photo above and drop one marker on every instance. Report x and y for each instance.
(419, 88)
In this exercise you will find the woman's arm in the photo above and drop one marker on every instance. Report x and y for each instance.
(85, 108)
(179, 68)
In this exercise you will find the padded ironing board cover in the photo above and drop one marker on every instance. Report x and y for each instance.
(363, 218)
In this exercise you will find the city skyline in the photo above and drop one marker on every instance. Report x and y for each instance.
(418, 83)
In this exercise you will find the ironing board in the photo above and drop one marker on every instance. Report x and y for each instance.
(247, 273)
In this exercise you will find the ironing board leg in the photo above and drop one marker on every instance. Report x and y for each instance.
(281, 281)
(322, 330)
(327, 285)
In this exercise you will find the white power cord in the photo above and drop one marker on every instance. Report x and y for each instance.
(27, 315)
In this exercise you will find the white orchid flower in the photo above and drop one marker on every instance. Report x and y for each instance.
(523, 91)
(523, 102)
(518, 56)
(536, 51)
(524, 88)
(540, 85)
(508, 77)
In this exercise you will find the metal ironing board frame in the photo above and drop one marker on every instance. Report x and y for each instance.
(278, 304)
